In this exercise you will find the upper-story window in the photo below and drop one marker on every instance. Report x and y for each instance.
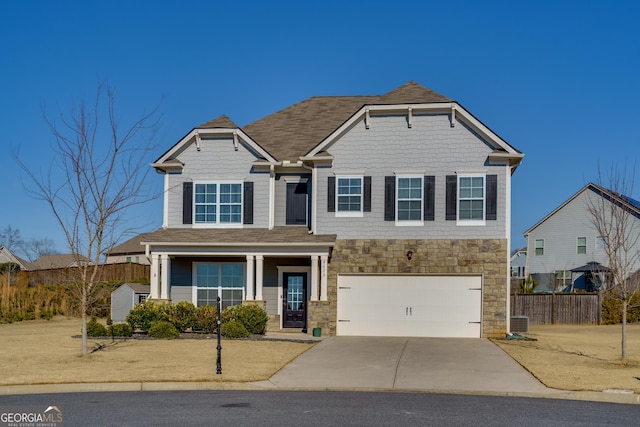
(409, 199)
(471, 198)
(349, 196)
(218, 203)
(539, 249)
(581, 246)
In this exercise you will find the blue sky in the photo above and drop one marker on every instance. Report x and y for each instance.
(558, 80)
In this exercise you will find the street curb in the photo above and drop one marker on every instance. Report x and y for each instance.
(592, 396)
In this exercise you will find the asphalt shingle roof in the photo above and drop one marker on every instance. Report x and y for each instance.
(240, 237)
(297, 129)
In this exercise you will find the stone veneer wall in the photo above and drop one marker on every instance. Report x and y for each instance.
(486, 257)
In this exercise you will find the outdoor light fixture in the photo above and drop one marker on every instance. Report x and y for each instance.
(409, 254)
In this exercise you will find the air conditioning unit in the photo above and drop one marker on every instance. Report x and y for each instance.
(520, 324)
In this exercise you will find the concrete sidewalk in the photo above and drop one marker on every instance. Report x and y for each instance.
(389, 363)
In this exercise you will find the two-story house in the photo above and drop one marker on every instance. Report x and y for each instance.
(565, 252)
(362, 215)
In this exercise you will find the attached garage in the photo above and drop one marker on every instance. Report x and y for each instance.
(411, 306)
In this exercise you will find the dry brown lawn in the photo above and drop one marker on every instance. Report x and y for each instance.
(580, 357)
(45, 352)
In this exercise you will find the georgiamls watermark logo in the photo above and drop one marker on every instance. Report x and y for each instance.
(31, 416)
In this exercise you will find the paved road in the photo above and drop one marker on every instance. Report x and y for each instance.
(278, 408)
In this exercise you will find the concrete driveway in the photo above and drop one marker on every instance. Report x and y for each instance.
(442, 364)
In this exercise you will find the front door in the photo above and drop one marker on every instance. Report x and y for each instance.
(294, 307)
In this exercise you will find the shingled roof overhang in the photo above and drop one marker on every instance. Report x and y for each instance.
(291, 237)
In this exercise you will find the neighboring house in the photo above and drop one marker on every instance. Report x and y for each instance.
(49, 262)
(7, 256)
(125, 298)
(518, 264)
(129, 251)
(565, 252)
(361, 215)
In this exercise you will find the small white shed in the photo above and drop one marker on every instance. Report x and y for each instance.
(127, 296)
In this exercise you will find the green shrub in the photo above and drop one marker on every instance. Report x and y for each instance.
(182, 315)
(251, 316)
(95, 328)
(612, 306)
(120, 330)
(144, 315)
(206, 319)
(233, 329)
(163, 329)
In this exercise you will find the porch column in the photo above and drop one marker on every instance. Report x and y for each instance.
(250, 278)
(324, 260)
(314, 278)
(259, 269)
(154, 291)
(165, 273)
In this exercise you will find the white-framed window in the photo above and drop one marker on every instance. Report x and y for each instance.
(539, 247)
(409, 200)
(602, 242)
(471, 199)
(218, 203)
(349, 195)
(581, 245)
(218, 279)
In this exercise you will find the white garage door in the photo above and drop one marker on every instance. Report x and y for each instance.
(410, 306)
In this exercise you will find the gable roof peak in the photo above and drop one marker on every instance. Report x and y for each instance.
(220, 122)
(412, 93)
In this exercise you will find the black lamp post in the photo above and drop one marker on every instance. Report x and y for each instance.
(219, 359)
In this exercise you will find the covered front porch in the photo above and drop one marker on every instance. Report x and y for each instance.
(283, 270)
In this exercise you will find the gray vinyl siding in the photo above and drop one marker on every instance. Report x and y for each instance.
(281, 195)
(218, 161)
(560, 233)
(430, 147)
(182, 293)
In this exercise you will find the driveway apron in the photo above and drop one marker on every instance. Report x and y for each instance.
(444, 364)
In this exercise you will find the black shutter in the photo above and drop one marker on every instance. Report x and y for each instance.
(331, 194)
(187, 202)
(429, 198)
(248, 203)
(366, 195)
(492, 197)
(451, 197)
(389, 198)
(296, 212)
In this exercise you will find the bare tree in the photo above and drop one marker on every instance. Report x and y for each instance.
(35, 248)
(616, 219)
(100, 172)
(11, 238)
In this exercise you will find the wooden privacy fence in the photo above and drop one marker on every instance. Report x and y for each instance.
(558, 309)
(124, 272)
